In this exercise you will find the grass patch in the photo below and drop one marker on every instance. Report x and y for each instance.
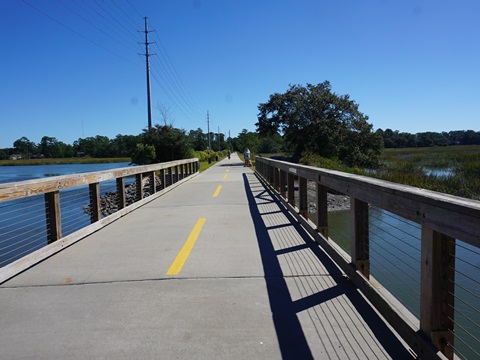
(204, 164)
(452, 170)
(62, 161)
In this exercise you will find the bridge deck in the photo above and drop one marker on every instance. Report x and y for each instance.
(254, 286)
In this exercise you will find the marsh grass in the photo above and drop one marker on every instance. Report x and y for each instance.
(452, 170)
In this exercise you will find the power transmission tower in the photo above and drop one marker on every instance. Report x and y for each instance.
(147, 56)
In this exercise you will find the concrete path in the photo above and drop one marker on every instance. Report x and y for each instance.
(253, 285)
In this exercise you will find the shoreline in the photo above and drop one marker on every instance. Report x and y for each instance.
(61, 161)
(335, 202)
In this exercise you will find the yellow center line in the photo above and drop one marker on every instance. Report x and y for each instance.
(225, 177)
(215, 194)
(182, 256)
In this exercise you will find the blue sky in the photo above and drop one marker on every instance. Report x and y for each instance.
(70, 68)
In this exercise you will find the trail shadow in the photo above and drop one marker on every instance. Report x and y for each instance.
(291, 337)
(292, 341)
(237, 164)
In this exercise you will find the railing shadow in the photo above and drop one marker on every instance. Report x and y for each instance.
(291, 337)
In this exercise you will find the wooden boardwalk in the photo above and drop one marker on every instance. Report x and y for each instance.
(215, 269)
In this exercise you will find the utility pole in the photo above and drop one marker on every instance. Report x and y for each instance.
(208, 122)
(147, 56)
(218, 135)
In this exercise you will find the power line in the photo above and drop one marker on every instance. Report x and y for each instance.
(125, 13)
(171, 66)
(115, 22)
(77, 33)
(134, 8)
(94, 25)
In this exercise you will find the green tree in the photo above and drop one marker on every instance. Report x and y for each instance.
(198, 139)
(4, 155)
(25, 146)
(247, 139)
(170, 143)
(124, 145)
(312, 118)
(143, 154)
(271, 144)
(50, 147)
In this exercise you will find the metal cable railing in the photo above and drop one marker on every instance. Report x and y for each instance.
(73, 216)
(401, 238)
(22, 228)
(467, 299)
(67, 204)
(394, 252)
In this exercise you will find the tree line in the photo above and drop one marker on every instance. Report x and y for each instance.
(396, 139)
(161, 143)
(304, 120)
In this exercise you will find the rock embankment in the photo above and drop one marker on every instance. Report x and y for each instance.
(109, 202)
(335, 202)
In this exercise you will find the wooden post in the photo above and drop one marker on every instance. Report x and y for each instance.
(303, 196)
(360, 236)
(437, 289)
(276, 179)
(291, 189)
(322, 210)
(162, 179)
(283, 183)
(121, 197)
(139, 186)
(95, 206)
(53, 216)
(153, 182)
(170, 175)
(176, 174)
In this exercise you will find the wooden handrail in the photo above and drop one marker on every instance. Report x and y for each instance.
(51, 189)
(443, 218)
(16, 190)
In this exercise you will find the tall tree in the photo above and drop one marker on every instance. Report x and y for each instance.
(50, 147)
(198, 140)
(313, 118)
(25, 146)
(247, 139)
(169, 143)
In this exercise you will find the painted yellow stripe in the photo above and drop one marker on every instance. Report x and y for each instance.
(182, 256)
(225, 177)
(215, 194)
(228, 169)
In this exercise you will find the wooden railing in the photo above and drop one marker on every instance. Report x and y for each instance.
(442, 218)
(158, 177)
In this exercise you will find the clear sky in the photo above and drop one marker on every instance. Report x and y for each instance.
(70, 69)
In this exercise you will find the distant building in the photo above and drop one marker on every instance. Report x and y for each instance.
(15, 157)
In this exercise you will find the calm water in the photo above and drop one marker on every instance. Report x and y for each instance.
(395, 264)
(22, 222)
(29, 172)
